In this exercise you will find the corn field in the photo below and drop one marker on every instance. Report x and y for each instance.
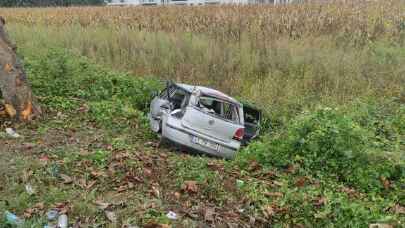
(284, 58)
(363, 19)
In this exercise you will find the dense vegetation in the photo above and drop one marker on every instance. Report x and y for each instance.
(284, 58)
(329, 77)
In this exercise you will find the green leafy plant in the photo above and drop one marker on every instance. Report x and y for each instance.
(326, 142)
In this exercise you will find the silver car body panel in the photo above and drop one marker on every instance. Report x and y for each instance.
(198, 117)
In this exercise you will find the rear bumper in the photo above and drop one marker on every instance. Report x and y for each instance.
(178, 134)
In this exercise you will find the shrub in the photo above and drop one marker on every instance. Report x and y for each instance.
(326, 142)
(66, 75)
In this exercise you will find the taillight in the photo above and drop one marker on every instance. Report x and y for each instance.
(239, 134)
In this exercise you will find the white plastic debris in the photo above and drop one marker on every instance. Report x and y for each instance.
(63, 221)
(13, 219)
(111, 216)
(171, 215)
(50, 226)
(30, 190)
(240, 183)
(12, 133)
(52, 214)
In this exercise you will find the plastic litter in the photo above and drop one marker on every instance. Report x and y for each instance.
(12, 133)
(49, 226)
(171, 215)
(13, 219)
(240, 183)
(30, 190)
(63, 221)
(52, 214)
(111, 216)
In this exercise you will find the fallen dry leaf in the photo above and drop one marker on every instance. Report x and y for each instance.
(177, 195)
(385, 182)
(268, 211)
(27, 175)
(40, 205)
(147, 172)
(66, 179)
(291, 168)
(101, 205)
(380, 225)
(122, 188)
(155, 191)
(320, 201)
(111, 216)
(274, 194)
(209, 213)
(301, 181)
(190, 187)
(28, 146)
(91, 184)
(399, 209)
(98, 174)
(63, 208)
(86, 185)
(156, 225)
(83, 108)
(44, 160)
(37, 208)
(254, 166)
(29, 212)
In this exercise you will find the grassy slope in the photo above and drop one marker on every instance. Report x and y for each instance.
(93, 132)
(283, 76)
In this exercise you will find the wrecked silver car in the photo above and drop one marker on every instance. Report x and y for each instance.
(203, 119)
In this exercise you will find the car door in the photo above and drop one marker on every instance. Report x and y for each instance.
(156, 109)
(203, 121)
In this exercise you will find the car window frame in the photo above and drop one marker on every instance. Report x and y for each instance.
(238, 121)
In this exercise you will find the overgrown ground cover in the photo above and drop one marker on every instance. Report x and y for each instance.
(332, 150)
(93, 148)
(284, 58)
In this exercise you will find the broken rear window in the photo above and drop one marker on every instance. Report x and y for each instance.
(220, 108)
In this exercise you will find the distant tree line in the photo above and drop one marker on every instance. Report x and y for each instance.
(22, 3)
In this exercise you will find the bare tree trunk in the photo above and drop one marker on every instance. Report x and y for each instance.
(18, 100)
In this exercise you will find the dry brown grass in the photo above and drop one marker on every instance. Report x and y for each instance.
(361, 18)
(284, 58)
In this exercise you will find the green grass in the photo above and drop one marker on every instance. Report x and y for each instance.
(95, 130)
(282, 76)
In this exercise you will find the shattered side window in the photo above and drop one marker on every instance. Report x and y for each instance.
(164, 93)
(219, 108)
(179, 98)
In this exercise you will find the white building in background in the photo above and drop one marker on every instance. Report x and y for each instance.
(192, 2)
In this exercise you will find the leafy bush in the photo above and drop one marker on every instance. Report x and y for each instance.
(113, 113)
(329, 143)
(66, 75)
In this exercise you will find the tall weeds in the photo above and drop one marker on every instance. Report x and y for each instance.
(284, 58)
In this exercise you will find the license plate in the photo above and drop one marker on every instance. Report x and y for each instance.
(205, 143)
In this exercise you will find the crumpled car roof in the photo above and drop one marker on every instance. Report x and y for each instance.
(208, 92)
